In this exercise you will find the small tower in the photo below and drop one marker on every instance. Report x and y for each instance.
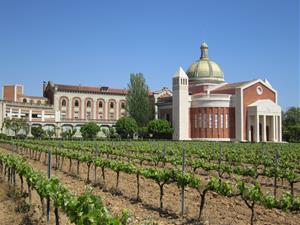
(180, 105)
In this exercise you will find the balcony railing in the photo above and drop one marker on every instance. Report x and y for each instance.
(88, 120)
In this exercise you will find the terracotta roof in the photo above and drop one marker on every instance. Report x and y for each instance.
(197, 89)
(231, 86)
(100, 90)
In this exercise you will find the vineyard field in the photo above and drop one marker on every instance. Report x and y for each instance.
(223, 183)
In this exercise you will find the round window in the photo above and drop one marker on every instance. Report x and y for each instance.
(259, 90)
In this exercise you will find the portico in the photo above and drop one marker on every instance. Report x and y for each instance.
(264, 121)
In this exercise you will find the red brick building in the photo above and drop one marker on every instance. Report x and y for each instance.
(204, 107)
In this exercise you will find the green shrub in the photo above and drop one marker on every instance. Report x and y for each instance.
(89, 130)
(160, 129)
(126, 127)
(3, 136)
(37, 132)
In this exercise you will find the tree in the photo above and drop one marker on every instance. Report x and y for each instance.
(50, 132)
(37, 132)
(15, 124)
(291, 124)
(89, 130)
(291, 116)
(68, 133)
(139, 105)
(126, 127)
(160, 128)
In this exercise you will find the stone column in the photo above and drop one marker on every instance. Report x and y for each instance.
(249, 127)
(30, 115)
(10, 113)
(19, 113)
(29, 130)
(279, 129)
(43, 115)
(264, 131)
(273, 129)
(276, 128)
(256, 128)
(58, 130)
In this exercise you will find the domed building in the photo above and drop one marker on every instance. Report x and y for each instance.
(202, 106)
(204, 69)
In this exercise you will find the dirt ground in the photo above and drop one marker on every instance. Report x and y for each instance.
(218, 210)
(8, 214)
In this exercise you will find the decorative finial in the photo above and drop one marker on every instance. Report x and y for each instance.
(204, 51)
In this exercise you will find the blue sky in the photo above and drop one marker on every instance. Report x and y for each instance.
(102, 42)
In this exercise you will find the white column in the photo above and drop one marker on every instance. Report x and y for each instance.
(276, 128)
(29, 131)
(43, 115)
(256, 128)
(30, 115)
(249, 128)
(10, 113)
(273, 129)
(19, 113)
(264, 131)
(279, 129)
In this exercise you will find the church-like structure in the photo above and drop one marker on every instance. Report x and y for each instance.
(202, 106)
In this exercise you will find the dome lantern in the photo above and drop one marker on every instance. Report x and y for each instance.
(204, 51)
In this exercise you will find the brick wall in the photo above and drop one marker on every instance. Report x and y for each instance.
(250, 96)
(213, 132)
(9, 93)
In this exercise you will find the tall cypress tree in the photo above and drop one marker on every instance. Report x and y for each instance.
(138, 102)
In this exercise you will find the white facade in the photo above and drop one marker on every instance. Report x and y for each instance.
(180, 106)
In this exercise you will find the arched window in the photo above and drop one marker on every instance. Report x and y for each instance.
(76, 103)
(31, 101)
(123, 105)
(39, 102)
(112, 105)
(100, 104)
(24, 100)
(64, 102)
(88, 104)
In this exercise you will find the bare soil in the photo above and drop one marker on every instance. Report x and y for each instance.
(218, 209)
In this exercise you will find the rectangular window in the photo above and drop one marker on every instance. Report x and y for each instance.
(210, 120)
(216, 120)
(204, 121)
(226, 120)
(200, 120)
(222, 120)
(195, 122)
